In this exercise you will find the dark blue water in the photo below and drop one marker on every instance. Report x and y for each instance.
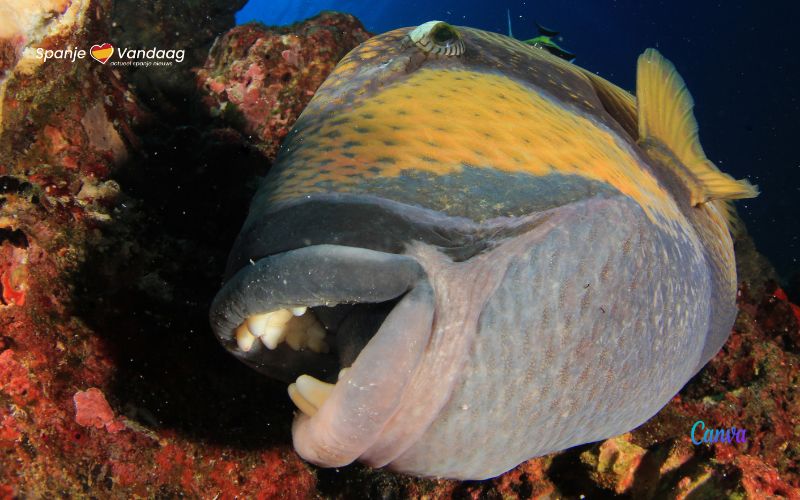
(740, 59)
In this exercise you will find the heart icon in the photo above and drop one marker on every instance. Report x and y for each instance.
(102, 53)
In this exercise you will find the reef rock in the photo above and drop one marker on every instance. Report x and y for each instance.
(259, 79)
(186, 25)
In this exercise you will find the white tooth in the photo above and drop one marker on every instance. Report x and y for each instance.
(304, 321)
(296, 338)
(318, 345)
(301, 402)
(279, 317)
(315, 331)
(283, 325)
(273, 335)
(343, 372)
(314, 391)
(244, 339)
(258, 323)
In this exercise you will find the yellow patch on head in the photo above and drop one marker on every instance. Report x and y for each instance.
(437, 121)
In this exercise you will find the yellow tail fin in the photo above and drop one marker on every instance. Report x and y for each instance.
(664, 108)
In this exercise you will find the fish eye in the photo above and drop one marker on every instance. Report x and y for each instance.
(438, 37)
(444, 33)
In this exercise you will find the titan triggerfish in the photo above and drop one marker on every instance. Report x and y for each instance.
(470, 252)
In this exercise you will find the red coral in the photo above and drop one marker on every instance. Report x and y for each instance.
(174, 464)
(14, 379)
(92, 410)
(762, 481)
(13, 269)
(9, 430)
(11, 295)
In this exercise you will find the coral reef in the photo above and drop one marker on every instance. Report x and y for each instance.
(188, 25)
(260, 79)
(116, 216)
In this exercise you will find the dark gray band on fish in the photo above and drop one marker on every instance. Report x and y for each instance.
(392, 217)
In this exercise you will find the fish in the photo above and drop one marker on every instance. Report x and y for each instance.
(470, 252)
(544, 40)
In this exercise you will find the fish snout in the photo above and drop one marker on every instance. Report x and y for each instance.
(345, 326)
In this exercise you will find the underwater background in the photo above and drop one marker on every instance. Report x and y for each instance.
(122, 189)
(740, 60)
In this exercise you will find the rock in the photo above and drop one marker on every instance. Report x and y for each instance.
(751, 266)
(614, 463)
(115, 222)
(762, 481)
(187, 25)
(259, 79)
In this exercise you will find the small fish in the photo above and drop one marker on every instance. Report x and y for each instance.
(544, 41)
(470, 252)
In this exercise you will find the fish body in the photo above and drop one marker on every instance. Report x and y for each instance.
(470, 252)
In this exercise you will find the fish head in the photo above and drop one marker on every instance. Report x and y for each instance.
(460, 260)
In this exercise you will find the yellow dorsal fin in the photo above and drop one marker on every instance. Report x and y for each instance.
(664, 108)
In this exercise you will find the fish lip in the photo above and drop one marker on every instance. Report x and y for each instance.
(269, 277)
(369, 395)
(311, 276)
(365, 398)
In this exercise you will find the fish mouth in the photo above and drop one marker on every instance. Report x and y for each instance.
(346, 327)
